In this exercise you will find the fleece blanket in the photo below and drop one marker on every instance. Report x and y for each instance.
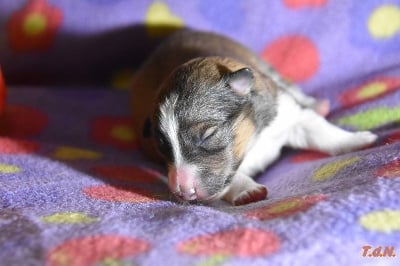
(75, 190)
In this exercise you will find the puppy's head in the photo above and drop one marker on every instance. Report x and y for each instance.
(202, 126)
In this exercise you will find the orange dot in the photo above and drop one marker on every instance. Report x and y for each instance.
(389, 170)
(12, 146)
(234, 242)
(96, 250)
(286, 207)
(294, 56)
(119, 194)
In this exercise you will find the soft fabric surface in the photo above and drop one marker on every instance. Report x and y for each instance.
(74, 189)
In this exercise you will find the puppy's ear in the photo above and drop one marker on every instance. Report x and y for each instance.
(241, 81)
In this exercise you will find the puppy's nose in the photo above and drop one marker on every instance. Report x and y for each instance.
(182, 182)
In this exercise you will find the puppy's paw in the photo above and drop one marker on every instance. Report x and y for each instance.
(358, 140)
(255, 194)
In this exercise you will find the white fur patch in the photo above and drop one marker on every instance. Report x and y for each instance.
(266, 147)
(169, 124)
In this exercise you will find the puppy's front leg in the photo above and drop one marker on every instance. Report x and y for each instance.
(244, 190)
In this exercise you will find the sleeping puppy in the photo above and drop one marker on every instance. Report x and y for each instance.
(217, 115)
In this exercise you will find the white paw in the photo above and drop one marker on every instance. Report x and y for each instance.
(365, 137)
(255, 194)
(358, 140)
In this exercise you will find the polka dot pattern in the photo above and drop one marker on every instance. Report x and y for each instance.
(372, 89)
(71, 153)
(232, 243)
(329, 170)
(9, 169)
(372, 118)
(285, 208)
(384, 22)
(120, 194)
(68, 218)
(384, 221)
(160, 21)
(33, 27)
(296, 57)
(295, 4)
(114, 131)
(75, 187)
(127, 174)
(14, 146)
(99, 249)
(2, 93)
(22, 121)
(389, 170)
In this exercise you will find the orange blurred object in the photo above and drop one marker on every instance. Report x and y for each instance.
(2, 92)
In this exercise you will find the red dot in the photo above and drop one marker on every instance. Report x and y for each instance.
(294, 56)
(286, 207)
(304, 3)
(2, 93)
(12, 146)
(22, 121)
(367, 91)
(389, 170)
(120, 194)
(127, 173)
(241, 242)
(96, 250)
(307, 156)
(392, 138)
(114, 131)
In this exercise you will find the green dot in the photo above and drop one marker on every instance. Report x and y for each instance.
(34, 24)
(372, 118)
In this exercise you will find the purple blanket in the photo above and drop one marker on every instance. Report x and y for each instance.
(75, 190)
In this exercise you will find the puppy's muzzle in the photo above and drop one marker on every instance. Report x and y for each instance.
(184, 183)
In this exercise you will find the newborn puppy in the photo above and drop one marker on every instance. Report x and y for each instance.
(217, 115)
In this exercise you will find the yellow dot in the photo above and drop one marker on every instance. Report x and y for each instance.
(122, 79)
(68, 218)
(124, 133)
(384, 221)
(70, 153)
(384, 21)
(160, 21)
(284, 206)
(9, 169)
(330, 169)
(34, 24)
(372, 90)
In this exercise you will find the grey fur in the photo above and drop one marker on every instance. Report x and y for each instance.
(196, 67)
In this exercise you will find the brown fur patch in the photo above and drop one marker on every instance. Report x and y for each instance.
(244, 130)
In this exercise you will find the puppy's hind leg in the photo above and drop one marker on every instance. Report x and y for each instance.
(316, 133)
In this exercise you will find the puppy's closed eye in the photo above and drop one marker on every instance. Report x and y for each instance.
(212, 140)
(208, 133)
